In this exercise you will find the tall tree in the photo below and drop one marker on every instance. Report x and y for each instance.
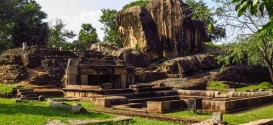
(29, 26)
(7, 14)
(243, 26)
(110, 27)
(87, 36)
(258, 48)
(21, 21)
(58, 35)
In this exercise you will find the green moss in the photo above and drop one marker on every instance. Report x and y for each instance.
(216, 85)
(6, 89)
(263, 85)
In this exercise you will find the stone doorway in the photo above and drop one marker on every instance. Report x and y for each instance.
(96, 80)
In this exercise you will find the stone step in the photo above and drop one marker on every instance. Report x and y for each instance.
(23, 93)
(164, 98)
(25, 90)
(29, 95)
(29, 98)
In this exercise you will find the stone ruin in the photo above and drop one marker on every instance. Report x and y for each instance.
(164, 100)
(84, 78)
(163, 27)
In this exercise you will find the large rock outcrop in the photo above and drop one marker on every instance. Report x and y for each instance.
(189, 64)
(138, 30)
(163, 27)
(244, 74)
(132, 57)
(177, 31)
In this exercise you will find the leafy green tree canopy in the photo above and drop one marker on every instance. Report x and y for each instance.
(110, 27)
(142, 3)
(255, 7)
(87, 36)
(58, 35)
(21, 21)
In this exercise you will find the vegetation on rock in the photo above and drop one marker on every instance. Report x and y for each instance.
(216, 85)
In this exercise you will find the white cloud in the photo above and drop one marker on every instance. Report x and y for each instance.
(76, 12)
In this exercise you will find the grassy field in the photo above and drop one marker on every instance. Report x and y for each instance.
(39, 113)
(263, 85)
(234, 119)
(190, 115)
(251, 115)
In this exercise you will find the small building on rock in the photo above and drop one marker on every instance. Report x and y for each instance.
(86, 78)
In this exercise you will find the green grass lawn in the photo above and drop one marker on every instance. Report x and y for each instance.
(234, 119)
(263, 85)
(250, 115)
(39, 113)
(190, 115)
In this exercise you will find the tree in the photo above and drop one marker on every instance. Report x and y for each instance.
(259, 47)
(87, 36)
(142, 3)
(29, 26)
(202, 12)
(58, 35)
(7, 13)
(256, 7)
(243, 26)
(21, 21)
(110, 27)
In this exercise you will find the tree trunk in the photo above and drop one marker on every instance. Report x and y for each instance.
(271, 72)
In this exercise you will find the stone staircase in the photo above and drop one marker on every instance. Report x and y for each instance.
(27, 94)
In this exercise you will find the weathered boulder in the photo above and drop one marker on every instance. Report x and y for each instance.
(188, 64)
(244, 74)
(105, 48)
(138, 30)
(177, 31)
(133, 57)
(143, 75)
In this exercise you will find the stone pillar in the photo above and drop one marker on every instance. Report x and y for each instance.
(72, 80)
(84, 79)
(123, 81)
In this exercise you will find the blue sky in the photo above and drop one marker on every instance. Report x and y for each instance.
(76, 12)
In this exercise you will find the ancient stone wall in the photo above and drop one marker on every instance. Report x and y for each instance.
(12, 69)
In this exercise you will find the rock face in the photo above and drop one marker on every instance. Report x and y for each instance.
(244, 74)
(176, 30)
(105, 47)
(186, 65)
(163, 27)
(132, 57)
(138, 30)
